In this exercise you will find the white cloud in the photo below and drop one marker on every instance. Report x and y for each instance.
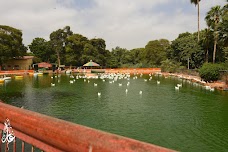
(125, 23)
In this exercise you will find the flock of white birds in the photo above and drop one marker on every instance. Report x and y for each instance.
(114, 77)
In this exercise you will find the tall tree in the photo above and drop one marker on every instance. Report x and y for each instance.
(89, 53)
(41, 49)
(213, 18)
(196, 2)
(100, 46)
(10, 43)
(58, 41)
(74, 49)
(223, 26)
(137, 57)
(155, 52)
(187, 51)
(118, 56)
(207, 42)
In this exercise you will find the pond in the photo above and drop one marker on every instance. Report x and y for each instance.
(189, 119)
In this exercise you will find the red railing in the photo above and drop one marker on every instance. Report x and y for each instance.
(55, 135)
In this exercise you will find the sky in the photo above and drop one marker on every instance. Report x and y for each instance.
(125, 23)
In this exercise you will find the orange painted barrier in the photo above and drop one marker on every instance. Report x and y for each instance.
(122, 70)
(16, 72)
(133, 70)
(54, 135)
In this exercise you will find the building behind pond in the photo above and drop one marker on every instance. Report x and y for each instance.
(19, 63)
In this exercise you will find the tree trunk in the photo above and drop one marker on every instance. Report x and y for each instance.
(58, 58)
(216, 39)
(207, 55)
(198, 19)
(188, 63)
(207, 44)
(214, 53)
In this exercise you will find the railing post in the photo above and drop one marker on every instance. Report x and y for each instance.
(22, 146)
(32, 149)
(14, 145)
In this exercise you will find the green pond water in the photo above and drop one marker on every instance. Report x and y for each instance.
(191, 119)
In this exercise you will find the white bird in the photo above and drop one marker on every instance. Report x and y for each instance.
(179, 85)
(95, 84)
(52, 84)
(158, 82)
(207, 87)
(71, 81)
(212, 89)
(120, 84)
(126, 90)
(176, 87)
(140, 92)
(98, 94)
(145, 80)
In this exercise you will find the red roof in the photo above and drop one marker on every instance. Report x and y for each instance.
(44, 65)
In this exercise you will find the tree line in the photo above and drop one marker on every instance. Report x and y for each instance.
(188, 50)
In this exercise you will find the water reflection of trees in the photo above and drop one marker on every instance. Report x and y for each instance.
(11, 90)
(42, 81)
(8, 97)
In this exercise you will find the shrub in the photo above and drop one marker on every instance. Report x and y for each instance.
(210, 72)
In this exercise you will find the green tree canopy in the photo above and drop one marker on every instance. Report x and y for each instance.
(213, 19)
(117, 56)
(75, 48)
(10, 43)
(42, 49)
(206, 43)
(137, 57)
(102, 53)
(58, 40)
(223, 26)
(155, 52)
(187, 49)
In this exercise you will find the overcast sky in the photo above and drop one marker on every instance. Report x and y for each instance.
(125, 23)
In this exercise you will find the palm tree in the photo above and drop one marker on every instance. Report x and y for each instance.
(213, 18)
(224, 24)
(196, 2)
(205, 42)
